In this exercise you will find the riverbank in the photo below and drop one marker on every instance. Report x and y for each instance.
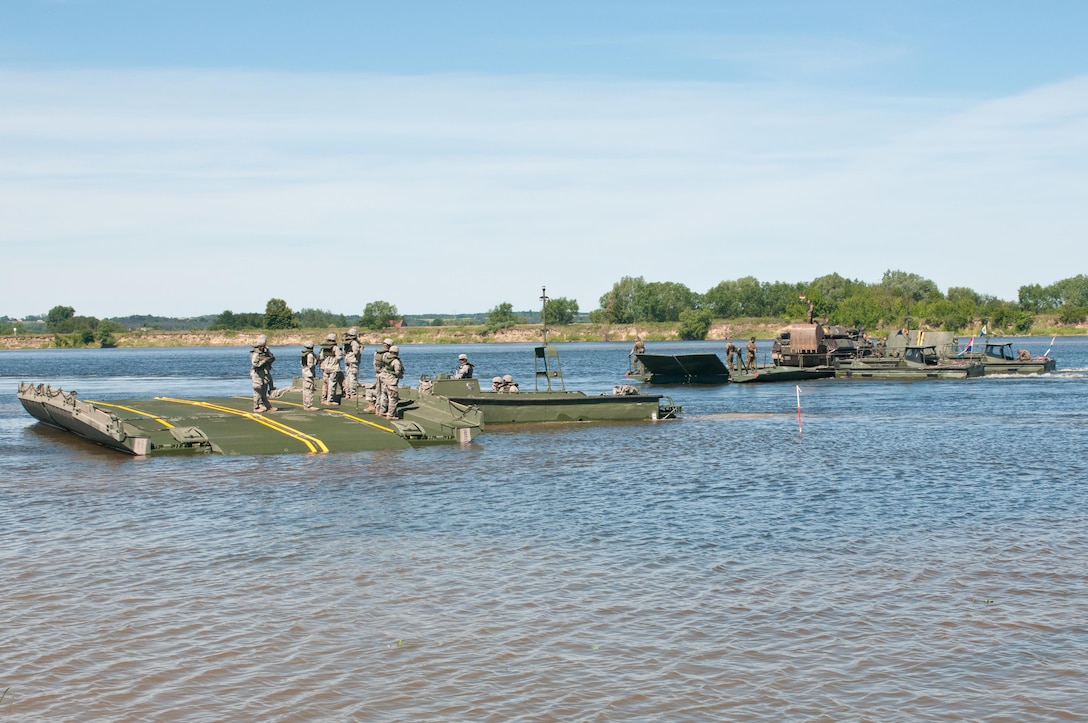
(760, 328)
(650, 332)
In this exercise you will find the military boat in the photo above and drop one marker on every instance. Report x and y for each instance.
(916, 362)
(549, 401)
(997, 357)
(226, 425)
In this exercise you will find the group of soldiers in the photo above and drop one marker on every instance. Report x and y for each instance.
(339, 370)
(732, 352)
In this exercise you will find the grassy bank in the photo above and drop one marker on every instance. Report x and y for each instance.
(762, 328)
(650, 332)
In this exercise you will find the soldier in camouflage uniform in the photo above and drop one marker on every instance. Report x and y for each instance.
(373, 396)
(731, 353)
(353, 354)
(464, 368)
(309, 376)
(391, 374)
(751, 349)
(260, 371)
(331, 355)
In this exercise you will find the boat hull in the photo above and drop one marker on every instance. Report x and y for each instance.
(782, 374)
(550, 406)
(1014, 367)
(226, 425)
(862, 370)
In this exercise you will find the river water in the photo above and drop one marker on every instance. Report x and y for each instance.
(908, 551)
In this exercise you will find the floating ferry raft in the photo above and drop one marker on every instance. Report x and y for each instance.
(226, 425)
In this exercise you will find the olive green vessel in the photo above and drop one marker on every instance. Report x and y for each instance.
(549, 401)
(226, 425)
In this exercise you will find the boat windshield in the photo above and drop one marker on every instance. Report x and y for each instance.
(921, 354)
(1001, 351)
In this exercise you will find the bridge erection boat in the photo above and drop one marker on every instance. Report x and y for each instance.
(916, 362)
(226, 425)
(550, 400)
(997, 357)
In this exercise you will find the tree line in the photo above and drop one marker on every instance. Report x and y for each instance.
(899, 299)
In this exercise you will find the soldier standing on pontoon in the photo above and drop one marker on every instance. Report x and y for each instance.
(751, 362)
(309, 376)
(260, 363)
(375, 395)
(353, 354)
(331, 355)
(391, 374)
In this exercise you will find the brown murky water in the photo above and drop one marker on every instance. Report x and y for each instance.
(918, 554)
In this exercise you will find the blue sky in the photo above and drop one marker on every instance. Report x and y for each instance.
(181, 159)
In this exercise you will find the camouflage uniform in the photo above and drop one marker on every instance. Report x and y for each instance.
(353, 354)
(464, 368)
(509, 385)
(730, 353)
(331, 355)
(375, 395)
(496, 384)
(260, 371)
(309, 375)
(639, 347)
(391, 374)
(751, 362)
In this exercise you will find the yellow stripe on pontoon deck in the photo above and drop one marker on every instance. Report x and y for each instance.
(337, 411)
(310, 441)
(161, 421)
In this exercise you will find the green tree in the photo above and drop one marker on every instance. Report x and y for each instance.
(619, 304)
(57, 316)
(319, 319)
(1072, 314)
(860, 310)
(502, 317)
(278, 315)
(1073, 290)
(229, 321)
(1035, 298)
(908, 286)
(695, 324)
(378, 314)
(560, 311)
(663, 301)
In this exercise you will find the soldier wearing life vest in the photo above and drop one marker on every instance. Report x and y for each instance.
(331, 355)
(309, 376)
(353, 354)
(391, 374)
(260, 362)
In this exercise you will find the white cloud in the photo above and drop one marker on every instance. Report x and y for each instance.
(456, 193)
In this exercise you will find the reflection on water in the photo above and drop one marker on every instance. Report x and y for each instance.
(917, 553)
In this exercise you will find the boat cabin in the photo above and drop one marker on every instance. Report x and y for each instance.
(1000, 350)
(921, 354)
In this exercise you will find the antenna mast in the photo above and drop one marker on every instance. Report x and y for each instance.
(543, 314)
